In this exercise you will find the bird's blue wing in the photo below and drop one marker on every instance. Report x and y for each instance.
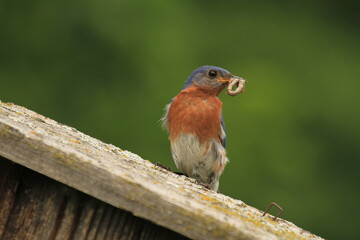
(222, 135)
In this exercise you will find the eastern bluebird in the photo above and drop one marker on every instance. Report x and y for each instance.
(196, 126)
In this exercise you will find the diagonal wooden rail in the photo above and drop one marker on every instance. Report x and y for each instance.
(126, 181)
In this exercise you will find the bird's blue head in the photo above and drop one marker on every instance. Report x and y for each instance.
(209, 77)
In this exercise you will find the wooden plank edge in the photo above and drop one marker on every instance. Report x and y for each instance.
(118, 191)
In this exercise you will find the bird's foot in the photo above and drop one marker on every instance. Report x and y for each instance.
(205, 185)
(181, 174)
(169, 169)
(163, 166)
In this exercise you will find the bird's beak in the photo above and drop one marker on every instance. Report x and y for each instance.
(224, 80)
(231, 79)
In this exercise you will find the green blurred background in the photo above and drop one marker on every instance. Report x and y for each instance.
(109, 67)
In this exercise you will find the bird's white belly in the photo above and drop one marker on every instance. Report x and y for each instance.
(204, 162)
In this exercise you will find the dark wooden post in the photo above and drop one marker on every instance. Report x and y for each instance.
(33, 206)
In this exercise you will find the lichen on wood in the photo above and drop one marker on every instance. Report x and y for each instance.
(125, 180)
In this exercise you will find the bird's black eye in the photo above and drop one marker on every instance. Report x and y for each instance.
(212, 73)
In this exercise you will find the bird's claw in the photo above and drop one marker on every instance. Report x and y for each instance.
(163, 166)
(169, 169)
(205, 185)
(240, 86)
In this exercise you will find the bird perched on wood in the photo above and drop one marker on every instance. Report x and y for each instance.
(196, 126)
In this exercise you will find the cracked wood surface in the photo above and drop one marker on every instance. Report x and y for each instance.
(126, 181)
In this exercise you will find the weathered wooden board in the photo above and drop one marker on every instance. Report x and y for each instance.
(126, 181)
(33, 206)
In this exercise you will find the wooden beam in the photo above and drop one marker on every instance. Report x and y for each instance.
(34, 206)
(126, 181)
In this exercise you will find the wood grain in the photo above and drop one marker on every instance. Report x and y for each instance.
(126, 181)
(34, 206)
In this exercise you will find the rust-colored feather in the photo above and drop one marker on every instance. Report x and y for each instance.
(197, 111)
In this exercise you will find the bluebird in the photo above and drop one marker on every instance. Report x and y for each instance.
(196, 127)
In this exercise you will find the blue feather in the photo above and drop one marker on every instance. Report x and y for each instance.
(223, 139)
(199, 70)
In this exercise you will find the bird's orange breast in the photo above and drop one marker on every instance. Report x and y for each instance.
(195, 111)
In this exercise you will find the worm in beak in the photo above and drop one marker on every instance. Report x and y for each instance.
(239, 83)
